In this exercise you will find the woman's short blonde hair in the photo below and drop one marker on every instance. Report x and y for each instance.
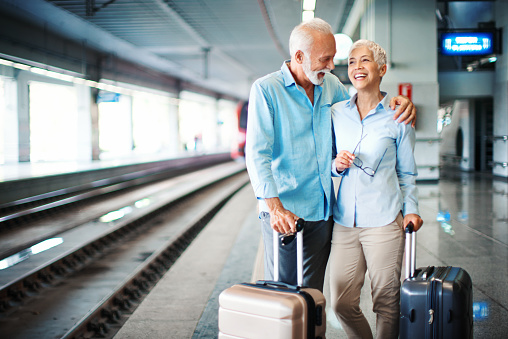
(378, 51)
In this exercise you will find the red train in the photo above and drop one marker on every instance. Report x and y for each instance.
(239, 148)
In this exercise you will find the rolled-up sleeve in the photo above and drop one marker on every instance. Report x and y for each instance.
(259, 143)
(407, 170)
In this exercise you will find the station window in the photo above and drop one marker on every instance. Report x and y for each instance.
(53, 122)
(205, 123)
(115, 126)
(197, 119)
(154, 124)
(138, 124)
(2, 122)
(228, 125)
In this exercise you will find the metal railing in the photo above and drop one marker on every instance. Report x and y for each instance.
(498, 163)
(430, 167)
(496, 137)
(429, 140)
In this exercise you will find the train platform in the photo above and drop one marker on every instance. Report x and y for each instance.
(23, 180)
(465, 224)
(28, 170)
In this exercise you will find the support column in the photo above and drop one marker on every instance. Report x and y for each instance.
(23, 116)
(410, 41)
(94, 116)
(500, 156)
(84, 121)
(174, 145)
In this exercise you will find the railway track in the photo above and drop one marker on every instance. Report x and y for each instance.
(94, 274)
(18, 213)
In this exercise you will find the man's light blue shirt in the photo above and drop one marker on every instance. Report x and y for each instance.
(387, 145)
(288, 148)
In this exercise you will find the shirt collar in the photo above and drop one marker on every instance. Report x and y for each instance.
(383, 104)
(286, 74)
(351, 103)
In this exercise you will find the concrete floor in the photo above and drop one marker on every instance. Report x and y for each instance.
(466, 225)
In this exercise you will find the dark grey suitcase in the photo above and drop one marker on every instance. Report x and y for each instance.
(435, 302)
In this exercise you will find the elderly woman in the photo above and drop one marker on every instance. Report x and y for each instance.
(377, 197)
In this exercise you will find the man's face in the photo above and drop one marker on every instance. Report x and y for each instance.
(321, 58)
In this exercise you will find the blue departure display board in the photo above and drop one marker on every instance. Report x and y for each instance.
(104, 96)
(472, 43)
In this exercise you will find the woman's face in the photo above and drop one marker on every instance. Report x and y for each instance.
(363, 70)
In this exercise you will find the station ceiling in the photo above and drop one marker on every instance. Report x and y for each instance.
(223, 45)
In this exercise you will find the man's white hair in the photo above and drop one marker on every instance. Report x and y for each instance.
(377, 51)
(301, 37)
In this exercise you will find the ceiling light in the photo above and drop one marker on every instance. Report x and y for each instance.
(52, 74)
(307, 15)
(309, 5)
(343, 43)
(6, 62)
(21, 66)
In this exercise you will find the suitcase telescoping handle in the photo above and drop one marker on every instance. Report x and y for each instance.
(299, 253)
(410, 250)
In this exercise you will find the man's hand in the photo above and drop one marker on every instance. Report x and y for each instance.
(406, 111)
(415, 219)
(281, 220)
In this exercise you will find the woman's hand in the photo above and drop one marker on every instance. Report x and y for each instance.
(344, 160)
(415, 219)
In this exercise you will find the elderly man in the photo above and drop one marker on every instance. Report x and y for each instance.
(289, 150)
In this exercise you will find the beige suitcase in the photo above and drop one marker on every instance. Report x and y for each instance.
(272, 309)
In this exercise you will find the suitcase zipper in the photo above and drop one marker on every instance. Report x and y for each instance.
(438, 277)
(431, 309)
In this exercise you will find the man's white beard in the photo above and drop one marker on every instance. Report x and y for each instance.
(313, 75)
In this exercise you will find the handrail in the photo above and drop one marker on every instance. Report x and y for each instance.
(453, 157)
(498, 163)
(496, 137)
(430, 167)
(429, 140)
